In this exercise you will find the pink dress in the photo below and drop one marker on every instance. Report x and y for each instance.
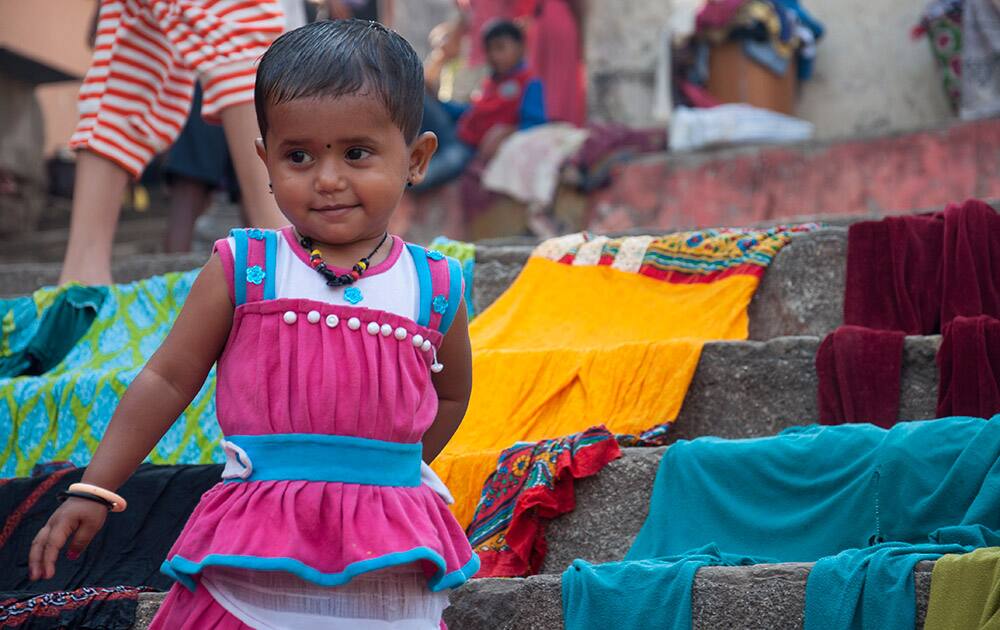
(323, 395)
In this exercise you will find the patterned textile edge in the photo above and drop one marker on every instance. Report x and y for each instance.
(534, 483)
(47, 610)
(683, 257)
(464, 253)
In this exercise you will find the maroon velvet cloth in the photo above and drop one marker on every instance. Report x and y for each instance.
(969, 368)
(858, 370)
(894, 274)
(970, 282)
(915, 273)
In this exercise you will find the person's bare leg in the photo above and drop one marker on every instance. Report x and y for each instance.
(98, 188)
(240, 125)
(188, 200)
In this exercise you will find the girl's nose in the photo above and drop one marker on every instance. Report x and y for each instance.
(329, 178)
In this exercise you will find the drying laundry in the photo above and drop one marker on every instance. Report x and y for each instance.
(858, 370)
(101, 587)
(965, 591)
(864, 503)
(61, 414)
(969, 367)
(598, 331)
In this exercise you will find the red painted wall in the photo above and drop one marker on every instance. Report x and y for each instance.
(917, 170)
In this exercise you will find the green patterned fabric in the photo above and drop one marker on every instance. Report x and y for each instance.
(464, 253)
(62, 414)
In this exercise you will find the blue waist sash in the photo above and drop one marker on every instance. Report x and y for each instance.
(317, 457)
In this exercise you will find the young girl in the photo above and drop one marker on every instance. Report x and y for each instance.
(343, 360)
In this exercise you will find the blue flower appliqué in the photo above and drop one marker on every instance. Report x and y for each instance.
(255, 275)
(435, 255)
(256, 234)
(353, 295)
(441, 305)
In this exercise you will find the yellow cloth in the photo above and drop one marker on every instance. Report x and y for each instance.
(965, 592)
(570, 347)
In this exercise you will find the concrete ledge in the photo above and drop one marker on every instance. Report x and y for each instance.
(801, 294)
(859, 176)
(763, 597)
(23, 278)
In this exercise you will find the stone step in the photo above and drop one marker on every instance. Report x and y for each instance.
(762, 597)
(801, 293)
(23, 278)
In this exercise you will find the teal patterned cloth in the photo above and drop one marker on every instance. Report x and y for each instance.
(62, 414)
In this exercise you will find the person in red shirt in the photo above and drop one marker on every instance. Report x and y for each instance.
(511, 98)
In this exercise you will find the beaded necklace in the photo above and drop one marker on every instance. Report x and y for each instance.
(332, 279)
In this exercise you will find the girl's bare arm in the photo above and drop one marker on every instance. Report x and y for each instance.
(453, 385)
(154, 400)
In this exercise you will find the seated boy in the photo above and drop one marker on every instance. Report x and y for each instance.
(511, 98)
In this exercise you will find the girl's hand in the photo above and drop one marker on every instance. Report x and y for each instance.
(75, 515)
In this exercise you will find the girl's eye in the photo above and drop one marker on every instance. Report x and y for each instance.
(357, 153)
(299, 157)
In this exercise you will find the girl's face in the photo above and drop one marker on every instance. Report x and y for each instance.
(338, 166)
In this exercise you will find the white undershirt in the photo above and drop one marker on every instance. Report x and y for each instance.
(395, 290)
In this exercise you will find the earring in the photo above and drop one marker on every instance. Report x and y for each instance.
(409, 184)
(270, 187)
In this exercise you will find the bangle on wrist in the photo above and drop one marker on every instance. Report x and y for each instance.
(118, 504)
(66, 494)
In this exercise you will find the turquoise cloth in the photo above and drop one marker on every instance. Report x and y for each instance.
(872, 588)
(815, 491)
(829, 495)
(637, 594)
(40, 330)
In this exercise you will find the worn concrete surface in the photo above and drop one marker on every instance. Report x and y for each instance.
(862, 176)
(802, 292)
(750, 389)
(762, 597)
(614, 500)
(23, 278)
(149, 603)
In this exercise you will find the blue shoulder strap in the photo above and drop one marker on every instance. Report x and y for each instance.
(239, 267)
(240, 258)
(270, 263)
(454, 293)
(419, 255)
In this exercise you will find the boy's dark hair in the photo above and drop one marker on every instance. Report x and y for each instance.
(333, 58)
(502, 28)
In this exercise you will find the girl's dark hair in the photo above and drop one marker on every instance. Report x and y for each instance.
(498, 28)
(342, 57)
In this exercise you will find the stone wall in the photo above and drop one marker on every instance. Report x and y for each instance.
(870, 76)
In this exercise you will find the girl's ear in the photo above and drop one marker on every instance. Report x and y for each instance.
(421, 151)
